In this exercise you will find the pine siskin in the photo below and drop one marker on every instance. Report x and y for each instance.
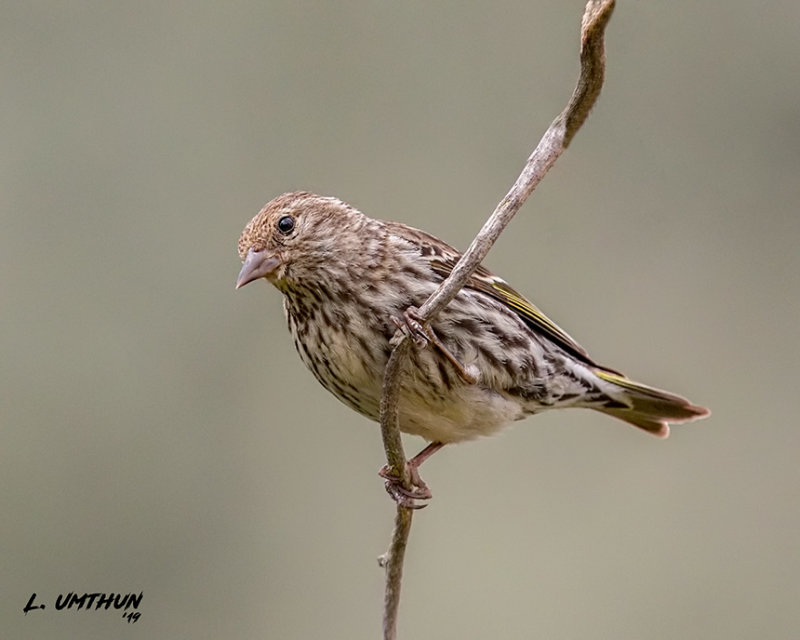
(348, 279)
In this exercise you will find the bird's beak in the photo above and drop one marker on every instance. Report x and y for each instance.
(257, 264)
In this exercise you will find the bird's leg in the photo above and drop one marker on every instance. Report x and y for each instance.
(419, 490)
(423, 334)
(416, 462)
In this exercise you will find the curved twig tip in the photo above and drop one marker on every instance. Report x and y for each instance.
(593, 66)
(595, 16)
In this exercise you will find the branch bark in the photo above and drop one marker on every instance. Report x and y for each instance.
(553, 143)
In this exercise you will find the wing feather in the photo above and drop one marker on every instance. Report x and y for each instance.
(484, 281)
(442, 258)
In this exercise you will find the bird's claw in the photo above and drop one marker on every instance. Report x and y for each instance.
(402, 495)
(422, 334)
(411, 324)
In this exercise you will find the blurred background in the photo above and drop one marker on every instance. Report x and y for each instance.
(159, 433)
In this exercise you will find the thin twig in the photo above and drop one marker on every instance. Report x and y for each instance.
(390, 429)
(557, 137)
(393, 561)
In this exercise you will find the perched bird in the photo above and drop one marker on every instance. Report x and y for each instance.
(348, 281)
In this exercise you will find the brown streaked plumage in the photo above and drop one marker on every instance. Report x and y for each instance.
(346, 278)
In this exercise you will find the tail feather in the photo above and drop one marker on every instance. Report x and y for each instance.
(649, 408)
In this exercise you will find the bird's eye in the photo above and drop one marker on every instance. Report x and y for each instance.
(286, 224)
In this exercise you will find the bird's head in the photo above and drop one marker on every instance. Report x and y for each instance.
(297, 237)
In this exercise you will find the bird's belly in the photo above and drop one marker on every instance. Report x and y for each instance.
(435, 402)
(435, 412)
(463, 413)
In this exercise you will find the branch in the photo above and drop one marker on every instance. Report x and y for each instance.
(392, 561)
(557, 137)
(553, 143)
(390, 428)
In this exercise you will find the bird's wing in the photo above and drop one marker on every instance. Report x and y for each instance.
(442, 258)
(443, 262)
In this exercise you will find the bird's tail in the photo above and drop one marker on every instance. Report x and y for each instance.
(648, 408)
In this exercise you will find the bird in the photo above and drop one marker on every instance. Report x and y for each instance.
(488, 359)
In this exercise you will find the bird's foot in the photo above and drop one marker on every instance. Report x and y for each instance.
(422, 334)
(400, 494)
(411, 324)
(403, 495)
